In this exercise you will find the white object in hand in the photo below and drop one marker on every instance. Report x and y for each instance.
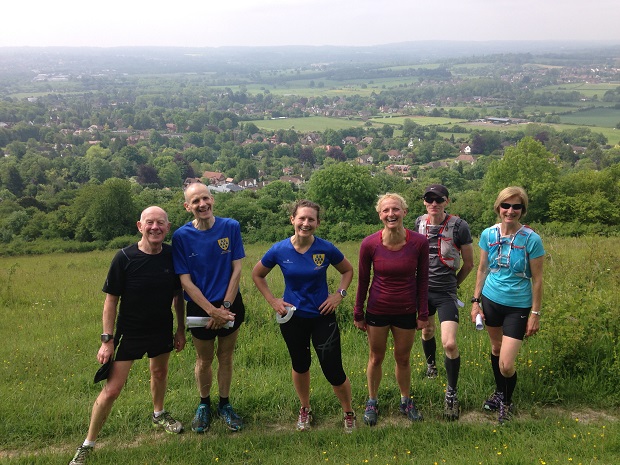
(479, 322)
(202, 321)
(287, 316)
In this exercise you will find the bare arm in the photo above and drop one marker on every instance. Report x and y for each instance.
(109, 318)
(481, 276)
(533, 323)
(333, 300)
(467, 253)
(179, 309)
(259, 275)
(219, 315)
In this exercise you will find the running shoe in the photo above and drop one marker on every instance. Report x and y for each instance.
(409, 409)
(349, 422)
(202, 419)
(492, 403)
(506, 412)
(431, 371)
(169, 424)
(451, 409)
(80, 455)
(232, 420)
(304, 419)
(371, 413)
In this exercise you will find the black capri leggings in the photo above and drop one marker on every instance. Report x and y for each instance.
(325, 335)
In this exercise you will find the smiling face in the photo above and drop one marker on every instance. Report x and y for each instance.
(511, 216)
(392, 213)
(199, 202)
(435, 205)
(154, 226)
(305, 221)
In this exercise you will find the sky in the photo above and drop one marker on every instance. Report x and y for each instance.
(217, 23)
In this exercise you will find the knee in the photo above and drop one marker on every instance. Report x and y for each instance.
(450, 347)
(159, 374)
(507, 369)
(428, 333)
(110, 393)
(402, 360)
(375, 359)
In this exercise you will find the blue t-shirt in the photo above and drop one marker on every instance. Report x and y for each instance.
(305, 275)
(509, 279)
(207, 255)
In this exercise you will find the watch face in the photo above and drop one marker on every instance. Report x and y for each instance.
(106, 337)
(343, 293)
(226, 304)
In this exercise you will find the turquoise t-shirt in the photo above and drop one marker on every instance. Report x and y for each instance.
(509, 279)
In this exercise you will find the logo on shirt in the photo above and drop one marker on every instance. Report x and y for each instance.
(318, 259)
(224, 243)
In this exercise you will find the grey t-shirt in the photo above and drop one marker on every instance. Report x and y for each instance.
(441, 277)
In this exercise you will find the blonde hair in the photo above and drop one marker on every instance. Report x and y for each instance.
(511, 192)
(389, 195)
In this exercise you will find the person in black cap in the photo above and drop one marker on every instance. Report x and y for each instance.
(142, 279)
(450, 241)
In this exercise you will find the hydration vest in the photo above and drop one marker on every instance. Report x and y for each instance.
(448, 252)
(517, 258)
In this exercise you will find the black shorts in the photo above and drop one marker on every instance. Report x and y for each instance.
(133, 347)
(444, 304)
(236, 307)
(404, 321)
(513, 320)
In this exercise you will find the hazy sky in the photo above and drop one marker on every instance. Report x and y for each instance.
(214, 23)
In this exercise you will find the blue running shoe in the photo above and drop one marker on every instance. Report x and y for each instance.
(409, 409)
(232, 420)
(371, 413)
(202, 419)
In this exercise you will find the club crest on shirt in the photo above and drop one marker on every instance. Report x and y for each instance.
(224, 242)
(318, 259)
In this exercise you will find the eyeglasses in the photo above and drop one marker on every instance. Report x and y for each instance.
(514, 206)
(439, 200)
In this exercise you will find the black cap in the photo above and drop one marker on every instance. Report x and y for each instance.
(437, 189)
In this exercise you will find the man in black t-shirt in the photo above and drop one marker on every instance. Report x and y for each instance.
(142, 280)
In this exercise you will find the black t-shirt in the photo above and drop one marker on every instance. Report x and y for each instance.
(146, 285)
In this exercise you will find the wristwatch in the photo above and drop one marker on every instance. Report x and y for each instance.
(342, 292)
(105, 337)
(226, 304)
(475, 300)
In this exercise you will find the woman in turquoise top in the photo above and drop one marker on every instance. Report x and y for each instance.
(508, 292)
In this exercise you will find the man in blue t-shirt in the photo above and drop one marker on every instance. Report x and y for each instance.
(207, 254)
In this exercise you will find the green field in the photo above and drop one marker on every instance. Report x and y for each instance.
(311, 123)
(599, 117)
(50, 308)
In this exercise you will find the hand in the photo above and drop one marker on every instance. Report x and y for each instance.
(361, 325)
(533, 325)
(475, 311)
(219, 317)
(105, 351)
(330, 304)
(179, 340)
(279, 306)
(421, 324)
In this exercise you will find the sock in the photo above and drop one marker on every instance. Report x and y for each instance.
(404, 399)
(453, 366)
(497, 374)
(89, 443)
(511, 383)
(205, 400)
(429, 347)
(156, 414)
(223, 401)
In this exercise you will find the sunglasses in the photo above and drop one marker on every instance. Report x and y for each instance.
(439, 200)
(514, 206)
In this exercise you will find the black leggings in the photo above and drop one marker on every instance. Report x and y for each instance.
(325, 340)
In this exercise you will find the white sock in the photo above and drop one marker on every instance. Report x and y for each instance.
(89, 443)
(404, 399)
(158, 413)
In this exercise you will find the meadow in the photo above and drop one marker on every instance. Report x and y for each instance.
(567, 399)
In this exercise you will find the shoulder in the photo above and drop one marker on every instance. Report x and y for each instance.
(372, 239)
(227, 222)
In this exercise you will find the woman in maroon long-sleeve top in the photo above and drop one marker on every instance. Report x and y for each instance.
(397, 300)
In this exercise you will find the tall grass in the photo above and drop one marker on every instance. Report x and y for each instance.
(50, 308)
